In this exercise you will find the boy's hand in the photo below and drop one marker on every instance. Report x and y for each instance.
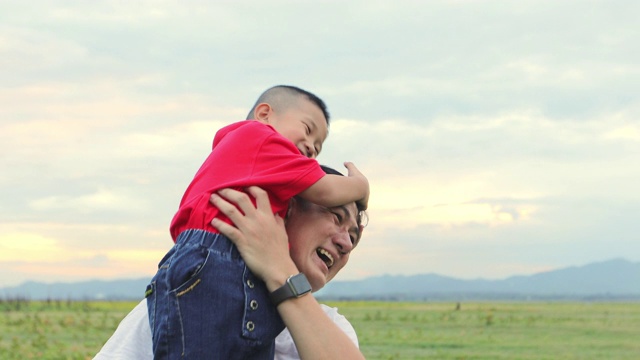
(353, 172)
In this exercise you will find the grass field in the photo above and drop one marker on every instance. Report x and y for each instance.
(519, 330)
(387, 330)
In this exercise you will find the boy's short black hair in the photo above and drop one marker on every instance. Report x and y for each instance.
(274, 96)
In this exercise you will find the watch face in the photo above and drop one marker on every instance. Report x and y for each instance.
(300, 284)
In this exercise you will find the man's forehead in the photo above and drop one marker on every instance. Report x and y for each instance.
(351, 210)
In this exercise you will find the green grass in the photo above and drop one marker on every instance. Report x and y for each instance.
(510, 330)
(492, 330)
(57, 329)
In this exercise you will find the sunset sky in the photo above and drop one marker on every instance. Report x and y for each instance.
(499, 137)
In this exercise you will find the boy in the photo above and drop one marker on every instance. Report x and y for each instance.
(203, 301)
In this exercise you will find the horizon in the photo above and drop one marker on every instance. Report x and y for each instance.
(498, 138)
(338, 280)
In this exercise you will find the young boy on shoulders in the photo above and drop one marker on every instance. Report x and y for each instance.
(203, 302)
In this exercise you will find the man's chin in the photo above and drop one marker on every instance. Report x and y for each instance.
(317, 282)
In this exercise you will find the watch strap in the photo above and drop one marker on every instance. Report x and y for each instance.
(295, 286)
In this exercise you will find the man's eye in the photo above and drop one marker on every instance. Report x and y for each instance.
(338, 217)
(308, 129)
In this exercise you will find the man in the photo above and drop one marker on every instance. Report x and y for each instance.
(317, 242)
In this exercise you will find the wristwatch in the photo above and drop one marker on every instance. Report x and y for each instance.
(295, 287)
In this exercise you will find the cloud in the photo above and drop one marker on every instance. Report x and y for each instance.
(102, 199)
(629, 132)
(73, 269)
(488, 129)
(51, 252)
(27, 50)
(26, 245)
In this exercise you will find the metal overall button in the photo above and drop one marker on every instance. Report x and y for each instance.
(250, 325)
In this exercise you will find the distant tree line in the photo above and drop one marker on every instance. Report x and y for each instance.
(18, 303)
(482, 297)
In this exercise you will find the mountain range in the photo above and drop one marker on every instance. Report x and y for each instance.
(612, 279)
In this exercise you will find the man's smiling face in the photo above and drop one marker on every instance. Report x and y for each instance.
(321, 239)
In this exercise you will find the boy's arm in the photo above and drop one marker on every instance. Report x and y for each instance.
(335, 190)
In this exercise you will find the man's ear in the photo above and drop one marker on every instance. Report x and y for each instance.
(292, 204)
(262, 112)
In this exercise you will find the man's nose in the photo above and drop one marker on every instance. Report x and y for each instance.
(343, 241)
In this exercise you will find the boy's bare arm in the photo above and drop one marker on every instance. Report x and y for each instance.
(335, 190)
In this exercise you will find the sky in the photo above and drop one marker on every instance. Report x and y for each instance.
(499, 138)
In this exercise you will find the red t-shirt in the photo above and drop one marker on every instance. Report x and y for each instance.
(246, 153)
